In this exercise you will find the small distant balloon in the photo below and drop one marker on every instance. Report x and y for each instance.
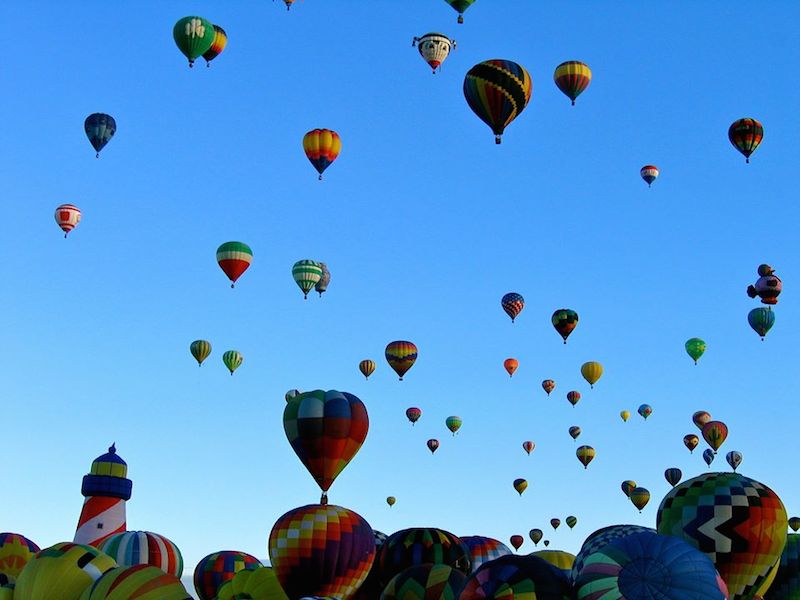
(324, 281)
(434, 48)
(413, 414)
(67, 217)
(673, 476)
(591, 371)
(691, 441)
(715, 433)
(546, 543)
(554, 523)
(746, 135)
(645, 410)
(572, 78)
(322, 147)
(367, 367)
(497, 91)
(234, 258)
(512, 304)
(510, 365)
(99, 128)
(390, 500)
(708, 456)
(528, 446)
(734, 459)
(573, 397)
(574, 432)
(536, 536)
(794, 523)
(401, 356)
(194, 36)
(306, 274)
(200, 349)
(628, 486)
(585, 455)
(624, 415)
(520, 485)
(217, 46)
(695, 347)
(433, 445)
(571, 521)
(548, 385)
(233, 359)
(453, 423)
(768, 286)
(649, 173)
(565, 320)
(700, 418)
(761, 320)
(640, 497)
(517, 541)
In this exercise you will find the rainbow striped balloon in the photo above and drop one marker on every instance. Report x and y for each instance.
(141, 582)
(133, 548)
(572, 78)
(497, 91)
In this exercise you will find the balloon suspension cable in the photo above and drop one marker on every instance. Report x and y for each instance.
(324, 499)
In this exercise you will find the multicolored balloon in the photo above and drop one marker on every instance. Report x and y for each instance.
(649, 173)
(673, 475)
(217, 46)
(746, 135)
(561, 560)
(512, 304)
(536, 536)
(640, 497)
(738, 522)
(142, 582)
(690, 441)
(306, 274)
(453, 423)
(425, 582)
(715, 433)
(218, 567)
(232, 359)
(520, 485)
(413, 414)
(585, 455)
(708, 456)
(326, 430)
(67, 217)
(565, 320)
(600, 538)
(319, 550)
(460, 6)
(322, 147)
(367, 367)
(420, 545)
(573, 397)
(99, 128)
(591, 371)
(510, 365)
(572, 78)
(200, 349)
(15, 552)
(194, 36)
(786, 585)
(517, 541)
(761, 320)
(628, 486)
(700, 418)
(734, 459)
(695, 347)
(132, 548)
(391, 500)
(519, 578)
(433, 445)
(401, 356)
(646, 565)
(483, 549)
(768, 286)
(234, 258)
(528, 446)
(497, 91)
(554, 523)
(548, 385)
(434, 48)
(645, 410)
(574, 432)
(624, 415)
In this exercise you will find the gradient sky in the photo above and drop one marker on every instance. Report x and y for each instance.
(425, 223)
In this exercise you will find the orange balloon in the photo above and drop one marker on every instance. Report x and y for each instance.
(510, 365)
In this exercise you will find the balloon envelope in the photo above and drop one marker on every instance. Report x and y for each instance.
(512, 304)
(585, 455)
(425, 582)
(715, 434)
(15, 552)
(234, 258)
(193, 36)
(200, 349)
(483, 549)
(322, 147)
(218, 567)
(592, 371)
(673, 476)
(142, 582)
(520, 485)
(367, 367)
(517, 577)
(217, 46)
(434, 48)
(761, 320)
(99, 128)
(565, 320)
(601, 538)
(746, 135)
(695, 348)
(497, 91)
(640, 497)
(572, 78)
(132, 548)
(510, 365)
(401, 356)
(420, 545)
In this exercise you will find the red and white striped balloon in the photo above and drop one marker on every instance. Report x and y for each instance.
(67, 216)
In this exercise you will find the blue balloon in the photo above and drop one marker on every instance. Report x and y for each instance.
(100, 128)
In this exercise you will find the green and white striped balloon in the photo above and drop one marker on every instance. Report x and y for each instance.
(306, 274)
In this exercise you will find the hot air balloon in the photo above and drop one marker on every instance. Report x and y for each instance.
(434, 48)
(561, 560)
(217, 46)
(322, 285)
(132, 548)
(322, 147)
(497, 91)
(261, 583)
(645, 410)
(510, 365)
(288, 4)
(483, 549)
(600, 538)
(628, 486)
(536, 536)
(585, 455)
(573, 397)
(700, 418)
(200, 349)
(761, 320)
(306, 274)
(401, 356)
(624, 415)
(695, 348)
(708, 456)
(571, 521)
(786, 584)
(640, 497)
(15, 552)
(234, 258)
(513, 304)
(291, 394)
(673, 476)
(591, 371)
(65, 567)
(520, 485)
(572, 78)
(768, 286)
(194, 37)
(326, 430)
(714, 433)
(390, 500)
(517, 577)
(528, 447)
(691, 441)
(746, 135)
(460, 6)
(453, 423)
(548, 385)
(218, 567)
(367, 367)
(574, 432)
(564, 320)
(517, 541)
(554, 523)
(647, 565)
(320, 550)
(233, 360)
(139, 581)
(424, 582)
(794, 523)
(99, 128)
(433, 445)
(649, 173)
(734, 459)
(736, 521)
(420, 545)
(546, 543)
(413, 414)
(67, 217)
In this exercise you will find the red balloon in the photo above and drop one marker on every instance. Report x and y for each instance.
(517, 541)
(433, 445)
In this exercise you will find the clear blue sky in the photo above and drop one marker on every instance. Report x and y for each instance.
(424, 224)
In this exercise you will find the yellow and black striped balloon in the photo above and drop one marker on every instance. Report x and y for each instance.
(497, 91)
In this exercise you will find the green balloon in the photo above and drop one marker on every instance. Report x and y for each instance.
(194, 36)
(761, 320)
(695, 348)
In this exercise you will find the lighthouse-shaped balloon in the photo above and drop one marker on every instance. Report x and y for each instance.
(106, 489)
